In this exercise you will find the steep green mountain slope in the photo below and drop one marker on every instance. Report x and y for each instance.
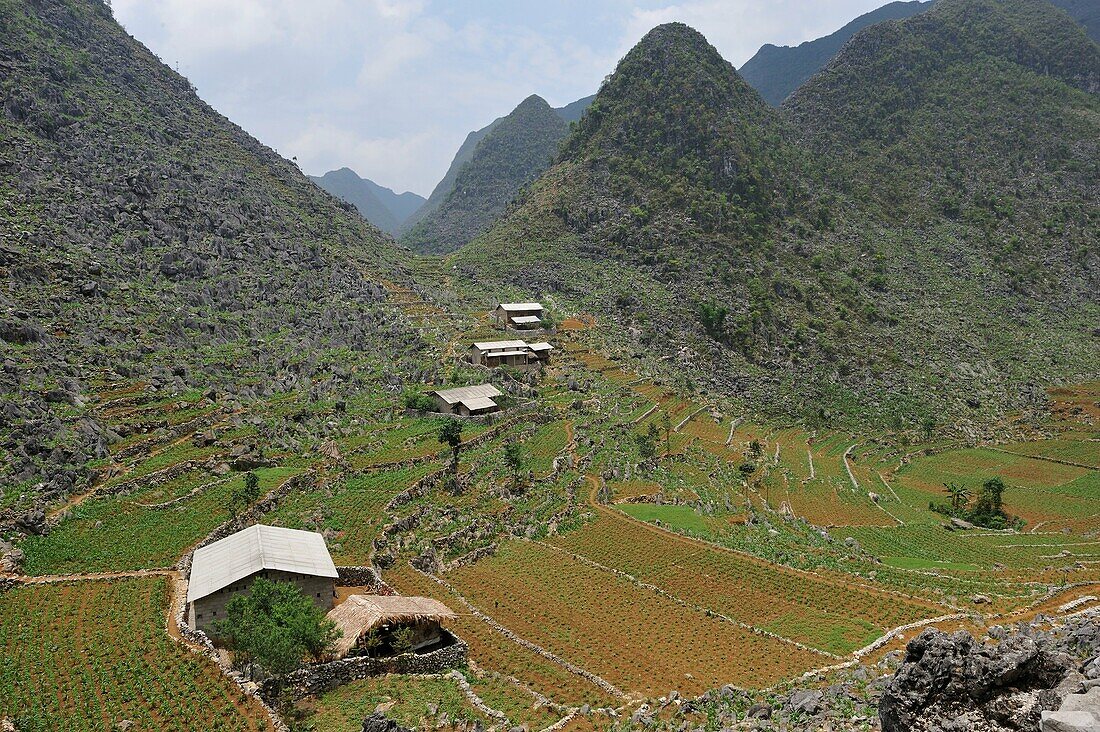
(776, 71)
(570, 113)
(380, 206)
(510, 155)
(144, 237)
(1085, 12)
(810, 264)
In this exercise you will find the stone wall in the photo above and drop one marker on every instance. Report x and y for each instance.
(363, 577)
(320, 677)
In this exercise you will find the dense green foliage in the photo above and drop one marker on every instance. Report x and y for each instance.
(512, 154)
(276, 626)
(777, 71)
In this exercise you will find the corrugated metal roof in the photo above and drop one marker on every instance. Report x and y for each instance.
(520, 306)
(527, 319)
(250, 550)
(462, 393)
(541, 347)
(476, 403)
(493, 345)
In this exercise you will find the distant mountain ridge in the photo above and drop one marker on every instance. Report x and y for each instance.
(380, 206)
(513, 152)
(569, 113)
(776, 71)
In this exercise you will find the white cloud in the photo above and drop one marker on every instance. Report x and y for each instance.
(392, 87)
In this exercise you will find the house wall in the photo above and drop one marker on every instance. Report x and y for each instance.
(443, 407)
(321, 590)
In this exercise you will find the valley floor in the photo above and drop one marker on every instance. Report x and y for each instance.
(742, 553)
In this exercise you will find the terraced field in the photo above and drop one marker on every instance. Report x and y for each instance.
(87, 655)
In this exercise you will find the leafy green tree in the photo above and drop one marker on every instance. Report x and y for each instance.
(647, 442)
(513, 458)
(276, 626)
(990, 500)
(713, 318)
(959, 494)
(244, 495)
(928, 428)
(450, 434)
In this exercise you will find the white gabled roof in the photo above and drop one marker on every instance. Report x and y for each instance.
(536, 347)
(499, 345)
(520, 306)
(464, 393)
(527, 319)
(475, 404)
(250, 550)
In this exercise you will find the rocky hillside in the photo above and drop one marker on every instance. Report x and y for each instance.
(145, 238)
(776, 71)
(571, 112)
(512, 154)
(1041, 675)
(896, 243)
(381, 206)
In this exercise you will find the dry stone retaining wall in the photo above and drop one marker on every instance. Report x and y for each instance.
(320, 677)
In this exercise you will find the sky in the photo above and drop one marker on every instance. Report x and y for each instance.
(391, 88)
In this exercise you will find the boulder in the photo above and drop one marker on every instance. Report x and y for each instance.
(379, 722)
(953, 682)
(959, 523)
(807, 701)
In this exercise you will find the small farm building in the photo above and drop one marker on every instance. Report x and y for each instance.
(226, 568)
(516, 354)
(468, 401)
(540, 352)
(359, 615)
(520, 315)
(500, 353)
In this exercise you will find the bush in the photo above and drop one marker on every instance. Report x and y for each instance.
(418, 401)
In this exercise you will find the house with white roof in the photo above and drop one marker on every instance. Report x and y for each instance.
(228, 567)
(516, 354)
(468, 401)
(520, 315)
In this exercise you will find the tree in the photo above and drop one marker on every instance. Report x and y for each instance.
(401, 640)
(647, 442)
(276, 626)
(244, 495)
(928, 427)
(666, 423)
(755, 449)
(959, 494)
(450, 434)
(513, 458)
(990, 498)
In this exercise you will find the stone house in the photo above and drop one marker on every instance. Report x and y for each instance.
(227, 568)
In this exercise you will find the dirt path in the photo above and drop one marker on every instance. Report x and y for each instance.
(45, 579)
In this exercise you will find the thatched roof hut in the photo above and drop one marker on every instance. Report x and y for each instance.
(358, 614)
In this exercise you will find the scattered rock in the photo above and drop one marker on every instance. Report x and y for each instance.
(953, 682)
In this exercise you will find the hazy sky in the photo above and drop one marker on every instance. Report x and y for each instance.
(390, 88)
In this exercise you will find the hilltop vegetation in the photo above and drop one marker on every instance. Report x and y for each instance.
(512, 154)
(831, 261)
(776, 71)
